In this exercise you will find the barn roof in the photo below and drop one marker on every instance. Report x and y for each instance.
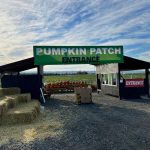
(18, 66)
(133, 64)
(22, 65)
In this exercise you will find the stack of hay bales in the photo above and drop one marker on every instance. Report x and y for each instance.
(9, 91)
(16, 107)
(83, 95)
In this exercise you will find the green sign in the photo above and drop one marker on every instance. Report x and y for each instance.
(49, 55)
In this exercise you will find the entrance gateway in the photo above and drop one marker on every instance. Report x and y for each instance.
(62, 55)
(108, 61)
(108, 69)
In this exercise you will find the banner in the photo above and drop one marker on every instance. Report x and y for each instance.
(50, 55)
(134, 83)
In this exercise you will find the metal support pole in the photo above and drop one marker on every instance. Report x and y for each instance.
(40, 73)
(147, 81)
(97, 81)
(40, 76)
(119, 78)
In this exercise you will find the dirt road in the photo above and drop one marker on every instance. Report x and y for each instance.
(108, 124)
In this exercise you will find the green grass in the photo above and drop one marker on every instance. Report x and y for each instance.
(88, 78)
(134, 75)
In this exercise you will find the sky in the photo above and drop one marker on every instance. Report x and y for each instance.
(24, 23)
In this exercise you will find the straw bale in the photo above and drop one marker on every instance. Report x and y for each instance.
(9, 91)
(14, 100)
(24, 98)
(36, 104)
(83, 95)
(83, 90)
(11, 101)
(24, 113)
(3, 107)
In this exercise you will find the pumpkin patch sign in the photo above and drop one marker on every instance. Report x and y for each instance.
(48, 55)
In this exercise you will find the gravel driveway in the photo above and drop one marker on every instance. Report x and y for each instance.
(106, 124)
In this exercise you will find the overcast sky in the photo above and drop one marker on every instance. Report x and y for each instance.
(24, 23)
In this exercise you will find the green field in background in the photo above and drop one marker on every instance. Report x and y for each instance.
(88, 78)
(134, 75)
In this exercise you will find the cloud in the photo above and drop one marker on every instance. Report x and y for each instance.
(36, 22)
(144, 55)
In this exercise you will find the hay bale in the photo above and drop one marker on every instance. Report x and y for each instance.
(9, 91)
(36, 104)
(3, 109)
(14, 100)
(83, 95)
(24, 113)
(24, 98)
(5, 104)
(11, 101)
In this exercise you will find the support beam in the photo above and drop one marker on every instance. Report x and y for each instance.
(40, 77)
(40, 70)
(98, 83)
(40, 73)
(1, 75)
(147, 80)
(119, 78)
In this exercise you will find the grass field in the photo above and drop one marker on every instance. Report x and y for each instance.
(130, 76)
(88, 78)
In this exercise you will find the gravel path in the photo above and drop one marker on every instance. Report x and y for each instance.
(108, 124)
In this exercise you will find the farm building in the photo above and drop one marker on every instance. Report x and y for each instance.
(110, 80)
(10, 77)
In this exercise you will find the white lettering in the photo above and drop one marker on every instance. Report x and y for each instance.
(117, 51)
(47, 51)
(56, 51)
(82, 51)
(71, 51)
(63, 51)
(98, 51)
(92, 50)
(111, 51)
(77, 51)
(132, 83)
(39, 51)
(104, 50)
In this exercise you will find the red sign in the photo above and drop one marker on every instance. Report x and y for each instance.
(134, 83)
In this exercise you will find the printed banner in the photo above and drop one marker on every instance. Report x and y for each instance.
(134, 83)
(48, 55)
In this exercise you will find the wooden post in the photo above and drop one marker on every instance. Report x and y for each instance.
(40, 70)
(97, 79)
(147, 79)
(98, 83)
(40, 73)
